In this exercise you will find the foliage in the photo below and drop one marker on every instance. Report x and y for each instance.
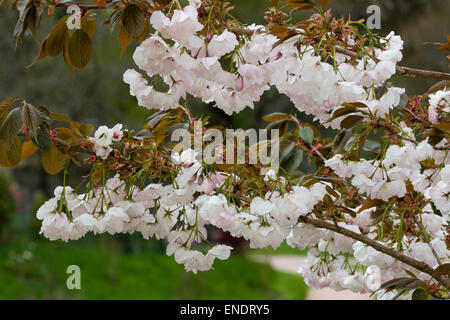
(31, 272)
(7, 203)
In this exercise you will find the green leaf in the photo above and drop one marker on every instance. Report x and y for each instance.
(4, 161)
(443, 269)
(293, 161)
(86, 129)
(356, 105)
(341, 140)
(420, 294)
(145, 32)
(307, 134)
(28, 148)
(32, 20)
(43, 140)
(124, 39)
(4, 106)
(284, 128)
(21, 26)
(53, 160)
(401, 283)
(277, 116)
(89, 25)
(286, 148)
(325, 2)
(133, 19)
(31, 117)
(42, 53)
(82, 129)
(80, 49)
(351, 121)
(114, 17)
(66, 55)
(45, 117)
(342, 112)
(372, 146)
(370, 204)
(275, 3)
(15, 151)
(56, 40)
(113, 4)
(11, 126)
(59, 117)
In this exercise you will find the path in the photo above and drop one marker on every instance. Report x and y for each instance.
(291, 263)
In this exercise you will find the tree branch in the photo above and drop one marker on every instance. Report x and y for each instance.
(82, 6)
(419, 265)
(404, 71)
(422, 230)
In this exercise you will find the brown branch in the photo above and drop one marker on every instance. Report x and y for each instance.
(82, 6)
(404, 71)
(422, 230)
(418, 73)
(242, 31)
(419, 265)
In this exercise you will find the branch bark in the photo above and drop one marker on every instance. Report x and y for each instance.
(424, 234)
(82, 6)
(419, 265)
(404, 71)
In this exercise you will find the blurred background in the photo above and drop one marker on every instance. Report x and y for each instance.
(128, 267)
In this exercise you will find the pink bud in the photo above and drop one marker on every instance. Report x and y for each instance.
(186, 164)
(239, 84)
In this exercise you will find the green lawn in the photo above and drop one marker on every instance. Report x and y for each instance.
(38, 271)
(284, 249)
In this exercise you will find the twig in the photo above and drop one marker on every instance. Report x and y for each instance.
(419, 265)
(422, 230)
(405, 71)
(82, 6)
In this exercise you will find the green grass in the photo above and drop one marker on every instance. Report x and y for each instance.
(109, 274)
(284, 249)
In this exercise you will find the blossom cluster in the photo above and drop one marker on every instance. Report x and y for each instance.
(103, 139)
(409, 178)
(172, 212)
(387, 178)
(193, 65)
(439, 106)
